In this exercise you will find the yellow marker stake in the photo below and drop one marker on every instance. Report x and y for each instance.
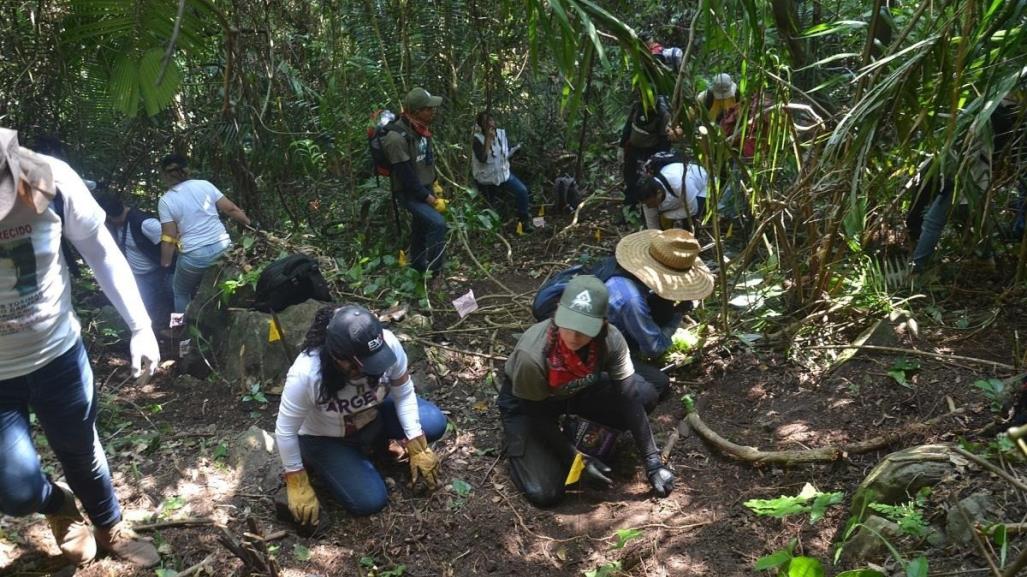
(272, 332)
(402, 258)
(574, 475)
(542, 210)
(599, 235)
(520, 229)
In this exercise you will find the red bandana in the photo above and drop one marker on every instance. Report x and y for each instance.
(564, 364)
(418, 127)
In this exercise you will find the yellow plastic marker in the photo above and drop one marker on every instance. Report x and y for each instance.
(542, 210)
(599, 235)
(402, 258)
(272, 332)
(520, 229)
(574, 475)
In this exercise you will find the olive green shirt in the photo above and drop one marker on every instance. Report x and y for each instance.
(528, 369)
(403, 143)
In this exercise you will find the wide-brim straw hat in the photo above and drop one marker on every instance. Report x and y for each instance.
(667, 262)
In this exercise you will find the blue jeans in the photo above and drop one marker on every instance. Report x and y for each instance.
(519, 190)
(427, 236)
(344, 463)
(189, 271)
(155, 288)
(62, 395)
(934, 219)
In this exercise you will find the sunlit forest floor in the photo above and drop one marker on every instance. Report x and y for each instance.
(170, 445)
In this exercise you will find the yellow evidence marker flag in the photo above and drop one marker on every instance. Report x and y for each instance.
(272, 332)
(574, 475)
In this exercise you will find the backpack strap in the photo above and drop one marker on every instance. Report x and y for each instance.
(57, 205)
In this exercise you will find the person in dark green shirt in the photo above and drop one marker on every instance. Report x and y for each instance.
(574, 364)
(408, 148)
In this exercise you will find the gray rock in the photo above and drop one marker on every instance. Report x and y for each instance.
(865, 546)
(898, 477)
(979, 508)
(936, 536)
(247, 355)
(254, 458)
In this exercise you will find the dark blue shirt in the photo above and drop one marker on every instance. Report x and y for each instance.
(629, 312)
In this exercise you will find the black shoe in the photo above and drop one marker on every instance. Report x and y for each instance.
(525, 225)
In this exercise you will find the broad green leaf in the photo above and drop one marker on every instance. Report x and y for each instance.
(805, 567)
(625, 535)
(300, 552)
(461, 487)
(774, 560)
(124, 85)
(917, 567)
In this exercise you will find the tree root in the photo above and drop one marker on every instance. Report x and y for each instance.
(821, 455)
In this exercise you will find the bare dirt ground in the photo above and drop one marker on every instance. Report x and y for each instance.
(166, 442)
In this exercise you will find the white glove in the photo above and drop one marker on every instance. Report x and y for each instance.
(144, 346)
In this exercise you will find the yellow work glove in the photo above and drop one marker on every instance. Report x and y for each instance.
(302, 501)
(440, 205)
(423, 462)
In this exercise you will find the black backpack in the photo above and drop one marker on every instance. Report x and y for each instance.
(654, 165)
(288, 281)
(567, 195)
(134, 223)
(548, 295)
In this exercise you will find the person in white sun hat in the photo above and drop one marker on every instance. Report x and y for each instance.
(720, 97)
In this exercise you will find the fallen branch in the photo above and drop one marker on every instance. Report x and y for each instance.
(994, 469)
(456, 350)
(196, 568)
(943, 357)
(190, 522)
(679, 431)
(824, 454)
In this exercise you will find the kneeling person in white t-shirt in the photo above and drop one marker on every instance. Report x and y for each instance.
(347, 394)
(189, 221)
(674, 197)
(43, 364)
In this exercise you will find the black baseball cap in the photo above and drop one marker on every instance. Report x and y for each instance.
(355, 334)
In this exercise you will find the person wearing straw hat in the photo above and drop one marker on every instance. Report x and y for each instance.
(573, 364)
(43, 363)
(663, 275)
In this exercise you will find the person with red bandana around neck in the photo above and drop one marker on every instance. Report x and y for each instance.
(573, 364)
(408, 149)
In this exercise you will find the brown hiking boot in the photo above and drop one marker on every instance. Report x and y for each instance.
(122, 542)
(73, 535)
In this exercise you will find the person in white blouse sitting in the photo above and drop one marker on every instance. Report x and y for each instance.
(347, 394)
(674, 196)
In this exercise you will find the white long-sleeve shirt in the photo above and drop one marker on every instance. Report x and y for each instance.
(301, 414)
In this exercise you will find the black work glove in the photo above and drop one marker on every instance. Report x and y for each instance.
(660, 477)
(597, 472)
